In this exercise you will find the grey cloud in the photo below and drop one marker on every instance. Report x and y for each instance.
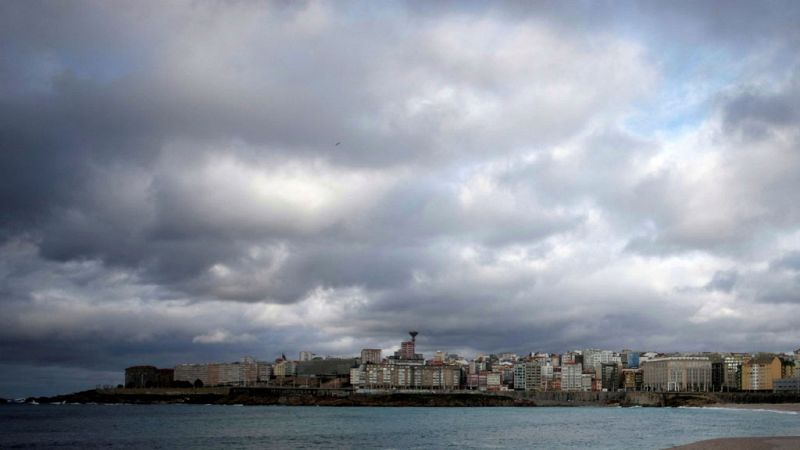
(789, 261)
(171, 171)
(723, 280)
(754, 115)
(750, 189)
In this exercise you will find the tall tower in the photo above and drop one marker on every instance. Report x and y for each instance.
(408, 349)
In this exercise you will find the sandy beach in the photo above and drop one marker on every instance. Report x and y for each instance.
(751, 443)
(746, 443)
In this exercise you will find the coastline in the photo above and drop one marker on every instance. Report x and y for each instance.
(750, 443)
(347, 397)
(781, 407)
(745, 443)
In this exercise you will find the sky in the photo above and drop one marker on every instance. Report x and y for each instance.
(186, 182)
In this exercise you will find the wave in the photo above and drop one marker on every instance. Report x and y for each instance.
(728, 408)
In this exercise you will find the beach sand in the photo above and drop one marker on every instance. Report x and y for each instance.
(751, 443)
(746, 443)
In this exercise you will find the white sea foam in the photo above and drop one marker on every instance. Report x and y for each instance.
(724, 408)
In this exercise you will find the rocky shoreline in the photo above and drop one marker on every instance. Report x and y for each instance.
(345, 397)
(287, 399)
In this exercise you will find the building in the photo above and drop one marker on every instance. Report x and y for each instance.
(547, 373)
(373, 376)
(405, 376)
(594, 359)
(247, 372)
(371, 356)
(646, 356)
(356, 374)
(788, 369)
(507, 357)
(533, 376)
(194, 374)
(408, 349)
(571, 377)
(632, 379)
(630, 359)
(677, 374)
(571, 357)
(786, 385)
(493, 381)
(733, 372)
(589, 382)
(609, 377)
(477, 366)
(228, 374)
(331, 367)
(591, 358)
(527, 376)
(148, 377)
(285, 369)
(519, 376)
(507, 371)
(759, 372)
(264, 372)
(305, 356)
(717, 375)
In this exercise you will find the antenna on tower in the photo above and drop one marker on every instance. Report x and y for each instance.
(413, 336)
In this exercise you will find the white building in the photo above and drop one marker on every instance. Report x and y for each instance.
(677, 374)
(594, 359)
(572, 377)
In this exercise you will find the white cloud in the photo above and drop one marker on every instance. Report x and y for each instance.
(222, 337)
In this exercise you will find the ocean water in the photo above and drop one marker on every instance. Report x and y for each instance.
(251, 427)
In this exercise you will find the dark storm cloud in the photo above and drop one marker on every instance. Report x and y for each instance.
(193, 182)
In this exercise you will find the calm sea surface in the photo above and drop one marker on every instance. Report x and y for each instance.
(197, 426)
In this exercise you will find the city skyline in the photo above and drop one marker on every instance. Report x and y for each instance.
(196, 181)
(587, 369)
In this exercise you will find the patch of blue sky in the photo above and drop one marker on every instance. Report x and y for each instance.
(690, 81)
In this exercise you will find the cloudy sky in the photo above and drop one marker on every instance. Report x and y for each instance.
(190, 182)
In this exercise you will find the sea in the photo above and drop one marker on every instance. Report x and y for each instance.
(298, 427)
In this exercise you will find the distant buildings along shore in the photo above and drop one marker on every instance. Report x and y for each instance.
(577, 370)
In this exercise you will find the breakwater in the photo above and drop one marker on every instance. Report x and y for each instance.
(348, 397)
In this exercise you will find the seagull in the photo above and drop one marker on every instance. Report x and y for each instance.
(337, 144)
